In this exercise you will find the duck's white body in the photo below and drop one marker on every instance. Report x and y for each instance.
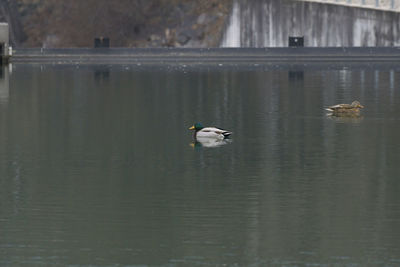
(201, 132)
(212, 132)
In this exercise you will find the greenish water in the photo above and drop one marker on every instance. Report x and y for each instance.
(98, 167)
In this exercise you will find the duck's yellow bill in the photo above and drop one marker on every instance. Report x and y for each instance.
(192, 128)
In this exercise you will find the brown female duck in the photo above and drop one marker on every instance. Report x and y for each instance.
(346, 109)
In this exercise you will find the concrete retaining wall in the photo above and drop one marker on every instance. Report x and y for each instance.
(269, 23)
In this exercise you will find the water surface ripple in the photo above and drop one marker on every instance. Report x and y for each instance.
(98, 167)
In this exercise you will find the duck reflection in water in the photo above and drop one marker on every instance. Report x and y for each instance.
(209, 142)
(346, 119)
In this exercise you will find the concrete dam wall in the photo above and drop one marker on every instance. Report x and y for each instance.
(388, 5)
(269, 23)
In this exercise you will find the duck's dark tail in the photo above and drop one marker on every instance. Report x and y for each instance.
(227, 134)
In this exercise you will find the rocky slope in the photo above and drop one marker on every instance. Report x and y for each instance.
(128, 23)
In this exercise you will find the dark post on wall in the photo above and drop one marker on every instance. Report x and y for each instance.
(101, 42)
(296, 41)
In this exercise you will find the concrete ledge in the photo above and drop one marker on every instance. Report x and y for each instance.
(209, 55)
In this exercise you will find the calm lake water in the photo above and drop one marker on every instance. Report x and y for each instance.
(98, 167)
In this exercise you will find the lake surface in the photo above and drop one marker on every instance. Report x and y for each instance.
(98, 167)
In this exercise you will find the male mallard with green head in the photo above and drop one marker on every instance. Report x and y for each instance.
(346, 109)
(209, 132)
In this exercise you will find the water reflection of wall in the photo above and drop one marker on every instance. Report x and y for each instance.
(269, 23)
(101, 73)
(4, 84)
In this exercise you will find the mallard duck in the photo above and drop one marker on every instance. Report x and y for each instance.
(209, 132)
(346, 109)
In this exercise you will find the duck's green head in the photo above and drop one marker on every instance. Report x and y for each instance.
(197, 127)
